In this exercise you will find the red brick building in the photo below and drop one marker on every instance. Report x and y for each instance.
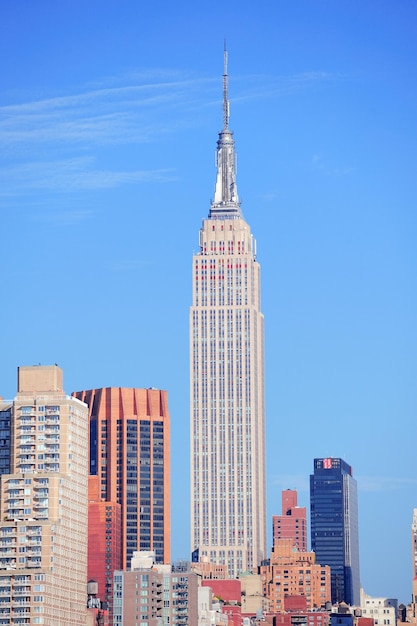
(225, 590)
(292, 523)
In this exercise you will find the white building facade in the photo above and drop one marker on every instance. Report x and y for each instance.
(382, 610)
(227, 379)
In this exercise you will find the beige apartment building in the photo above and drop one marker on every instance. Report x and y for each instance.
(227, 379)
(43, 504)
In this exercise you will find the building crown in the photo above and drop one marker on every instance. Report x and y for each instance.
(226, 203)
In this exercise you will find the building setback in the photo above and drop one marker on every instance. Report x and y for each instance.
(130, 455)
(293, 573)
(43, 505)
(227, 379)
(292, 523)
(334, 526)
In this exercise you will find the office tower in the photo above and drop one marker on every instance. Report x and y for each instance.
(129, 453)
(227, 378)
(43, 505)
(292, 523)
(290, 572)
(334, 526)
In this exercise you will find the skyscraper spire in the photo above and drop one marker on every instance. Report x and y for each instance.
(226, 201)
(226, 110)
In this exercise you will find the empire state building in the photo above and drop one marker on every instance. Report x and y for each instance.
(228, 523)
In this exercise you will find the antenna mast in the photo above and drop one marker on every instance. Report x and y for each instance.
(225, 94)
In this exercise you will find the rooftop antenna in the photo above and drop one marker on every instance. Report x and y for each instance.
(225, 89)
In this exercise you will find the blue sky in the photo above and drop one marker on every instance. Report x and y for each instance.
(109, 114)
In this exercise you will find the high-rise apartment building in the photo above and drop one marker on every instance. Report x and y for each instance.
(334, 526)
(292, 523)
(227, 378)
(130, 455)
(43, 504)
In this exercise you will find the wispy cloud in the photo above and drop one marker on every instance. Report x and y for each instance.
(385, 483)
(77, 174)
(129, 113)
(43, 142)
(261, 86)
(291, 481)
(365, 483)
(127, 265)
(320, 164)
(133, 112)
(69, 217)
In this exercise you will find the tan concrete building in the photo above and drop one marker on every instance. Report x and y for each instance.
(227, 379)
(209, 571)
(43, 505)
(294, 573)
(253, 599)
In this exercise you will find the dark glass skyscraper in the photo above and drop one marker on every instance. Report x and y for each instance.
(334, 526)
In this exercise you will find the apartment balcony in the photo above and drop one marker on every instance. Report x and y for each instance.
(40, 484)
(21, 591)
(52, 430)
(13, 512)
(35, 541)
(52, 437)
(52, 467)
(21, 602)
(42, 492)
(41, 503)
(26, 467)
(27, 439)
(7, 552)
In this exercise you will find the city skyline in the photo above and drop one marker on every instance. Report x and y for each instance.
(107, 162)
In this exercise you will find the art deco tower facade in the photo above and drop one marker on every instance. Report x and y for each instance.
(227, 378)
